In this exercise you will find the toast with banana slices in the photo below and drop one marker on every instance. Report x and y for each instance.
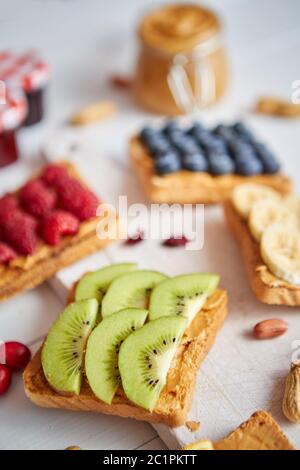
(266, 227)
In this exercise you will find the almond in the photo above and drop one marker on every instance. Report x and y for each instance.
(291, 400)
(269, 329)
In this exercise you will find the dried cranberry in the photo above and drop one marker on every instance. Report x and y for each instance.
(176, 241)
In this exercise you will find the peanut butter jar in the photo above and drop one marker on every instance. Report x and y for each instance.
(182, 65)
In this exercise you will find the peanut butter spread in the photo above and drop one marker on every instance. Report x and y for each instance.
(176, 28)
(165, 33)
(260, 432)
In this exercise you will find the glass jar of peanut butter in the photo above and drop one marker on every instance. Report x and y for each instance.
(182, 64)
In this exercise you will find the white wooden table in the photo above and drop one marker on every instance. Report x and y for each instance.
(84, 42)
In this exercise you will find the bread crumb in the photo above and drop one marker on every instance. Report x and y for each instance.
(192, 426)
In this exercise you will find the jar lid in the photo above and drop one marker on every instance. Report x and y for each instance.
(26, 70)
(14, 110)
(178, 28)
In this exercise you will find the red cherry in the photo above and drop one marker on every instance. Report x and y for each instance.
(5, 378)
(17, 355)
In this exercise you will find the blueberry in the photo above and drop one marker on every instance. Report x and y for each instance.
(241, 150)
(220, 163)
(196, 129)
(171, 127)
(147, 133)
(217, 145)
(249, 167)
(242, 131)
(269, 161)
(158, 145)
(167, 163)
(224, 132)
(186, 144)
(194, 162)
(205, 139)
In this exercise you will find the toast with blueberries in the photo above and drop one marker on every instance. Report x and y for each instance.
(177, 164)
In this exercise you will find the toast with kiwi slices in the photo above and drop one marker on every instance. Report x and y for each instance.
(265, 225)
(129, 344)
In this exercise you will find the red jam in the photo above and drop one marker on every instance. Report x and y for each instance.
(35, 100)
(8, 148)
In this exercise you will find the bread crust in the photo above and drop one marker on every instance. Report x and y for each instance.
(185, 187)
(27, 272)
(259, 432)
(176, 397)
(267, 288)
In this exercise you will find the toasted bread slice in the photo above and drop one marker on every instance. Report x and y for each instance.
(185, 187)
(260, 432)
(26, 272)
(176, 398)
(268, 288)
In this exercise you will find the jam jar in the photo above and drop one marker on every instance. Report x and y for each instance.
(13, 111)
(182, 65)
(29, 72)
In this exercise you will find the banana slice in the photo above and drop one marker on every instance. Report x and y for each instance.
(293, 203)
(245, 195)
(203, 444)
(267, 212)
(280, 250)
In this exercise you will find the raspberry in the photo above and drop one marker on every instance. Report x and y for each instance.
(20, 232)
(57, 224)
(55, 175)
(8, 204)
(78, 200)
(37, 199)
(6, 253)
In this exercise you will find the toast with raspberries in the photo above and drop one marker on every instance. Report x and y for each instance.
(47, 224)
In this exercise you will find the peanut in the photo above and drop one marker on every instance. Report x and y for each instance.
(291, 399)
(278, 107)
(269, 329)
(93, 112)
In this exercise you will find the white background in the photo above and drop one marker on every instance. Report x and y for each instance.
(85, 41)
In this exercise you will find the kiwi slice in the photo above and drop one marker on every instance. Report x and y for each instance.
(95, 284)
(145, 358)
(101, 360)
(130, 290)
(182, 295)
(64, 348)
